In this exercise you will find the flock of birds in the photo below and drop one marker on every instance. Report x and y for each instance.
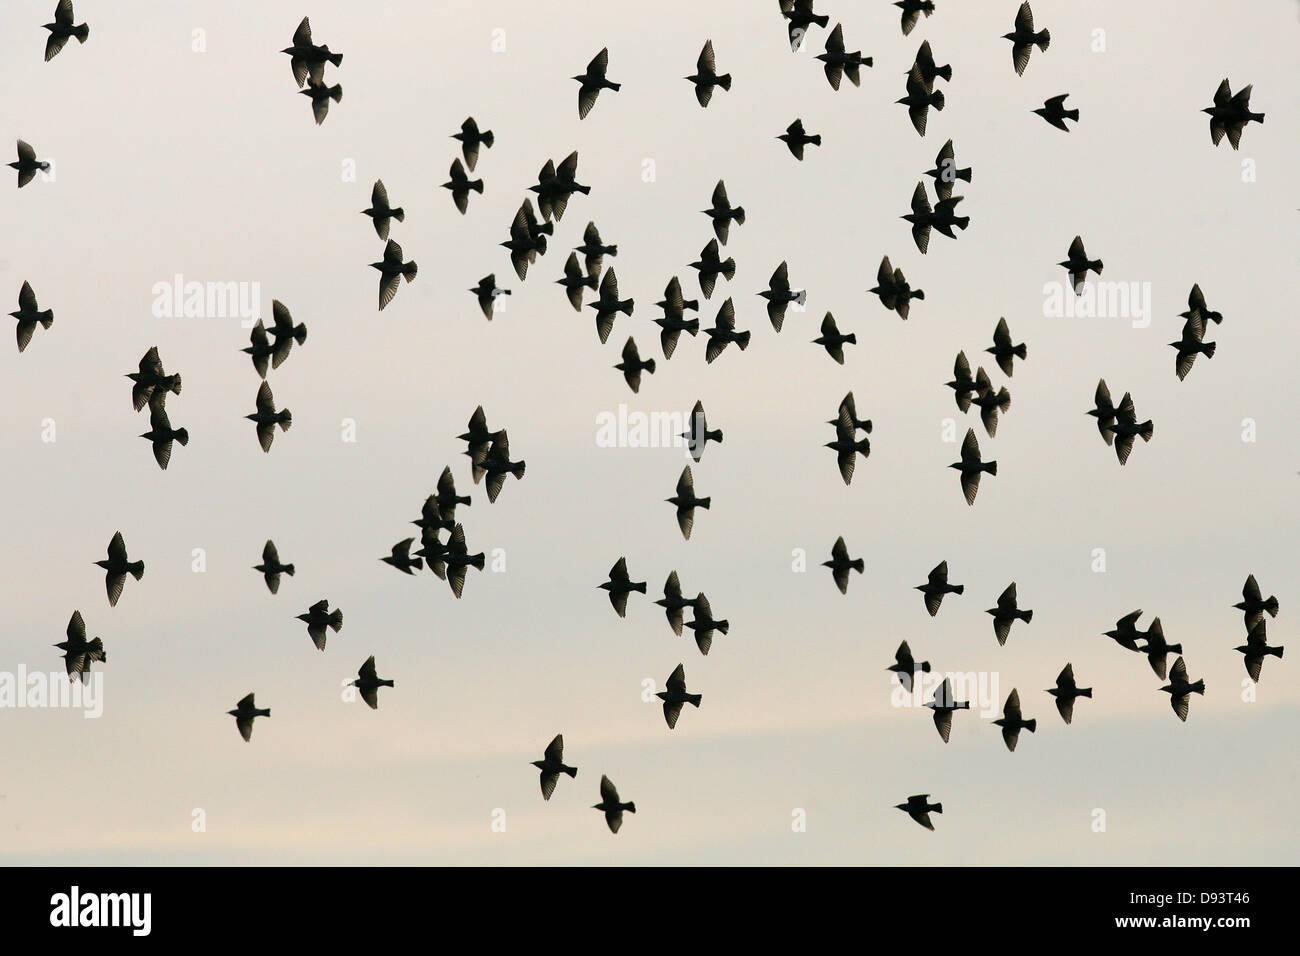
(489, 450)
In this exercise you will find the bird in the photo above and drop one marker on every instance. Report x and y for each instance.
(779, 295)
(29, 315)
(704, 624)
(79, 653)
(800, 16)
(28, 164)
(151, 383)
(841, 564)
(912, 10)
(1189, 345)
(833, 340)
(608, 305)
(318, 617)
(672, 602)
(1127, 428)
(63, 29)
(392, 269)
(936, 586)
(706, 75)
(971, 467)
(946, 172)
(632, 366)
(594, 250)
(673, 323)
(1180, 688)
(271, 567)
(838, 63)
(556, 184)
(847, 447)
(1077, 264)
(1003, 351)
(1007, 613)
(117, 566)
(461, 186)
(400, 557)
(700, 435)
(552, 765)
(479, 437)
(611, 805)
(486, 292)
(710, 266)
(847, 416)
(284, 332)
(259, 348)
(1012, 722)
(1053, 110)
(447, 499)
(1024, 38)
(369, 682)
(944, 705)
(1196, 306)
(905, 667)
(381, 212)
(686, 502)
(1066, 691)
(470, 139)
(1253, 603)
(919, 807)
(458, 559)
(574, 281)
(723, 213)
(796, 139)
(990, 402)
(1125, 633)
(1256, 649)
(920, 97)
(527, 240)
(942, 217)
(244, 713)
(894, 290)
(306, 58)
(496, 465)
(266, 417)
(320, 98)
(592, 82)
(962, 385)
(724, 333)
(1230, 114)
(925, 65)
(675, 695)
(433, 551)
(1157, 648)
(1104, 411)
(161, 435)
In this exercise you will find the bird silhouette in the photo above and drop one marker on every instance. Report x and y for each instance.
(1157, 648)
(894, 290)
(632, 365)
(846, 416)
(779, 295)
(686, 502)
(1012, 722)
(306, 59)
(1067, 691)
(259, 348)
(400, 557)
(706, 75)
(592, 82)
(673, 323)
(471, 138)
(838, 63)
(555, 186)
(321, 94)
(962, 385)
(611, 805)
(920, 97)
(942, 217)
(929, 70)
(1024, 38)
(461, 186)
(971, 466)
(63, 29)
(28, 165)
(710, 266)
(847, 447)
(1007, 613)
(527, 240)
(700, 435)
(724, 333)
(703, 623)
(271, 567)
(552, 765)
(1256, 649)
(575, 280)
(1180, 688)
(318, 617)
(919, 807)
(117, 566)
(1253, 604)
(946, 172)
(800, 16)
(151, 383)
(479, 437)
(29, 315)
(722, 213)
(392, 269)
(79, 653)
(1230, 114)
(381, 212)
(841, 564)
(369, 682)
(936, 586)
(833, 340)
(458, 560)
(1078, 264)
(244, 713)
(990, 403)
(912, 10)
(672, 602)
(1127, 428)
(266, 417)
(905, 667)
(619, 586)
(594, 249)
(796, 139)
(1003, 351)
(1053, 110)
(161, 435)
(1125, 633)
(1196, 306)
(284, 332)
(608, 305)
(1189, 345)
(675, 696)
(496, 465)
(486, 292)
(944, 705)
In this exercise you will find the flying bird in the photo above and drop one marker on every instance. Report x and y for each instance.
(1180, 688)
(1125, 633)
(971, 467)
(673, 323)
(161, 435)
(318, 617)
(990, 402)
(458, 559)
(259, 349)
(29, 315)
(496, 465)
(284, 332)
(556, 184)
(381, 212)
(151, 382)
(686, 502)
(400, 557)
(833, 340)
(575, 280)
(592, 82)
(1127, 428)
(1007, 613)
(912, 10)
(919, 807)
(1104, 411)
(894, 290)
(905, 667)
(841, 564)
(796, 139)
(962, 385)
(724, 333)
(1196, 306)
(620, 585)
(704, 624)
(552, 765)
(594, 249)
(392, 269)
(920, 97)
(673, 602)
(710, 265)
(723, 213)
(272, 568)
(1230, 114)
(779, 295)
(266, 417)
(1012, 722)
(447, 499)
(839, 63)
(320, 98)
(675, 696)
(944, 705)
(1053, 110)
(929, 70)
(486, 292)
(306, 58)
(1189, 345)
(527, 239)
(946, 172)
(1077, 264)
(1157, 648)
(706, 75)
(1003, 351)
(479, 437)
(632, 365)
(1024, 38)
(1253, 603)
(246, 710)
(700, 435)
(1066, 691)
(117, 566)
(847, 447)
(470, 139)
(1256, 649)
(611, 805)
(608, 305)
(847, 416)
(79, 653)
(461, 185)
(63, 29)
(800, 16)
(369, 682)
(942, 217)
(936, 586)
(28, 164)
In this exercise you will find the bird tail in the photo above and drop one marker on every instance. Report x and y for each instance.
(802, 297)
(285, 418)
(925, 669)
(630, 807)
(1209, 349)
(959, 588)
(476, 562)
(1271, 606)
(728, 268)
(1025, 616)
(1275, 651)
(1086, 692)
(399, 214)
(961, 222)
(1004, 399)
(288, 569)
(336, 94)
(265, 712)
(1198, 687)
(47, 318)
(638, 586)
(335, 58)
(919, 294)
(704, 503)
(82, 33)
(626, 307)
(300, 333)
(821, 21)
(546, 229)
(488, 138)
(993, 470)
(137, 570)
(615, 86)
(936, 99)
(723, 626)
(650, 366)
(743, 340)
(1074, 115)
(517, 470)
(724, 81)
(1147, 430)
(1044, 40)
(585, 190)
(944, 71)
(859, 565)
(1175, 648)
(336, 620)
(183, 436)
(174, 386)
(477, 186)
(716, 435)
(385, 683)
(815, 139)
(416, 563)
(694, 699)
(1020, 351)
(410, 270)
(936, 808)
(1031, 724)
(851, 338)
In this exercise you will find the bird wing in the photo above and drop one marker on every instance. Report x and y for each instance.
(686, 483)
(677, 680)
(76, 628)
(1178, 673)
(706, 64)
(970, 448)
(1250, 590)
(555, 750)
(608, 792)
(1012, 706)
(27, 298)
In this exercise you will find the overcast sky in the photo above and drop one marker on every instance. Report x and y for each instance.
(208, 164)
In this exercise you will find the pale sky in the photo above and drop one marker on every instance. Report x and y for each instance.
(208, 164)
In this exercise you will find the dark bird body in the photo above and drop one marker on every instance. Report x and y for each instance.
(847, 447)
(710, 265)
(1157, 648)
(63, 29)
(458, 560)
(704, 624)
(686, 502)
(244, 713)
(706, 76)
(267, 417)
(1067, 691)
(894, 290)
(946, 172)
(1256, 649)
(79, 653)
(392, 269)
(971, 466)
(271, 567)
(608, 305)
(919, 808)
(1003, 351)
(471, 138)
(161, 436)
(1077, 264)
(461, 186)
(369, 682)
(611, 806)
(1230, 114)
(486, 292)
(527, 239)
(839, 63)
(990, 403)
(1125, 633)
(920, 97)
(800, 16)
(1196, 306)
(594, 250)
(1053, 110)
(942, 217)
(841, 564)
(307, 60)
(1127, 428)
(479, 437)
(700, 435)
(833, 340)
(723, 333)
(496, 465)
(936, 586)
(944, 705)
(1012, 722)
(1180, 688)
(29, 315)
(846, 417)
(633, 365)
(555, 185)
(28, 165)
(400, 557)
(722, 213)
(117, 566)
(318, 617)
(575, 280)
(912, 10)
(673, 323)
(320, 98)
(675, 696)
(151, 383)
(1024, 38)
(672, 602)
(1253, 603)
(591, 82)
(1007, 613)
(284, 332)
(259, 348)
(796, 139)
(552, 765)
(1189, 345)
(779, 295)
(380, 211)
(906, 667)
(962, 385)
(1104, 411)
